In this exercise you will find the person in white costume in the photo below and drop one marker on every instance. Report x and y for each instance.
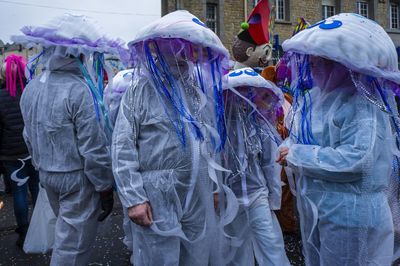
(252, 105)
(168, 131)
(61, 109)
(341, 147)
(112, 98)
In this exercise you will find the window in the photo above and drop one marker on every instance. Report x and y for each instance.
(394, 16)
(212, 17)
(328, 8)
(280, 9)
(328, 11)
(362, 8)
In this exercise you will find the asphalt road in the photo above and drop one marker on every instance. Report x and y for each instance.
(107, 250)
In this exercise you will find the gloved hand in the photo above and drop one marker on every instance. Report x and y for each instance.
(107, 202)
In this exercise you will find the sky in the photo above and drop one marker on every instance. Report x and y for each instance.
(119, 18)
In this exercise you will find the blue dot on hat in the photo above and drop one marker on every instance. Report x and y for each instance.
(331, 25)
(236, 73)
(197, 21)
(250, 72)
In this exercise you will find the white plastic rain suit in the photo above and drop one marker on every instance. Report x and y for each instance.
(259, 194)
(151, 165)
(68, 147)
(255, 179)
(344, 213)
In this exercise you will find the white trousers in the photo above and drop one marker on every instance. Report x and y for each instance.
(259, 229)
(76, 205)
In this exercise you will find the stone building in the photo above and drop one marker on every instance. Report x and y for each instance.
(7, 49)
(225, 16)
(13, 48)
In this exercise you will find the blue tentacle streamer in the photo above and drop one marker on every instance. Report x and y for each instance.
(96, 92)
(174, 97)
(219, 103)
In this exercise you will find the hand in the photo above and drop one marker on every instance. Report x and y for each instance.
(107, 203)
(141, 214)
(216, 202)
(283, 152)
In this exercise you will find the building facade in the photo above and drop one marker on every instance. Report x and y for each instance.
(225, 16)
(7, 49)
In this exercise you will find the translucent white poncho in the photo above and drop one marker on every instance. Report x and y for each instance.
(252, 105)
(342, 139)
(169, 129)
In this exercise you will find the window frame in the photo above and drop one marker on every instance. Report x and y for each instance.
(391, 15)
(359, 8)
(214, 20)
(325, 11)
(277, 17)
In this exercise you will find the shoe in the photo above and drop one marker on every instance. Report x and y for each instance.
(21, 231)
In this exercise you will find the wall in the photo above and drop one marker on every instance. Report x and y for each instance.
(232, 15)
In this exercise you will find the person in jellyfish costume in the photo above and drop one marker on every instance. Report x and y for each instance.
(344, 124)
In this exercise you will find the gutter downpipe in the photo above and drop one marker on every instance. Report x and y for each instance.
(245, 10)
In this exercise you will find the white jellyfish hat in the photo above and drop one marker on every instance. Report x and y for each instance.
(247, 77)
(357, 42)
(181, 25)
(122, 80)
(120, 83)
(179, 44)
(78, 34)
(74, 35)
(117, 88)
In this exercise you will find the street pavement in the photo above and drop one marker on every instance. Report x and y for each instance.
(108, 249)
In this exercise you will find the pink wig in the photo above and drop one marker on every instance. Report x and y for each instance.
(14, 72)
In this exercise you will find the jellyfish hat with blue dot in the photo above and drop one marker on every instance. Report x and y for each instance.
(166, 143)
(343, 140)
(252, 105)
